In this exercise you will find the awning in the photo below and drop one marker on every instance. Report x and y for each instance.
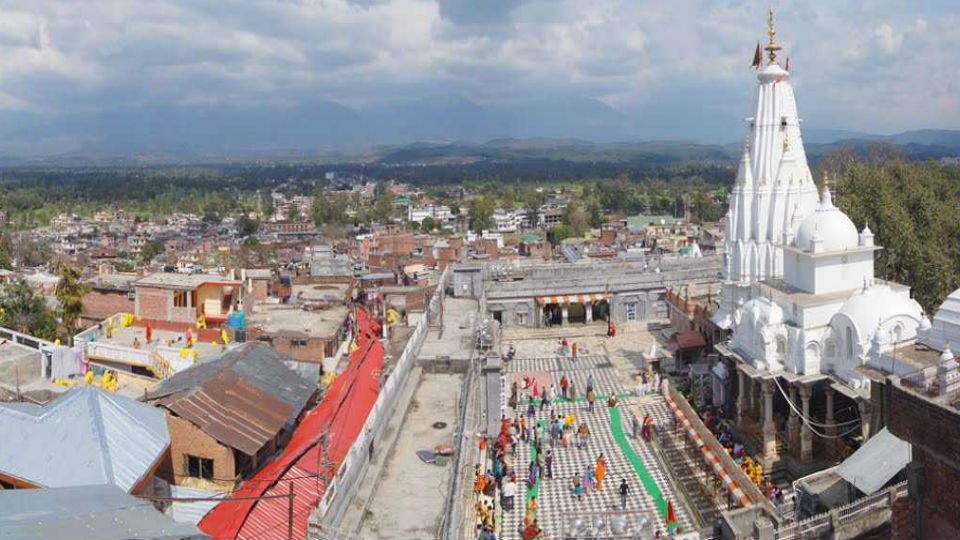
(876, 462)
(690, 340)
(573, 298)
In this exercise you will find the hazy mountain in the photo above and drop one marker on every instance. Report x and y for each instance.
(456, 127)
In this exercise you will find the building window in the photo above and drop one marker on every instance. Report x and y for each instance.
(198, 467)
(521, 319)
(298, 343)
(631, 312)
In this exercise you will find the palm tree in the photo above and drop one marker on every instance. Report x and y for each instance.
(70, 292)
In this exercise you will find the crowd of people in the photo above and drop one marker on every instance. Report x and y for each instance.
(713, 419)
(537, 423)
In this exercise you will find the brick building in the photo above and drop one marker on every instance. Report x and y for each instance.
(227, 416)
(109, 294)
(183, 298)
(931, 424)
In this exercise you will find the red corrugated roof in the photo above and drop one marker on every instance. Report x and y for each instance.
(341, 416)
(690, 340)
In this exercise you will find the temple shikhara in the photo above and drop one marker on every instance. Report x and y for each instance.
(807, 314)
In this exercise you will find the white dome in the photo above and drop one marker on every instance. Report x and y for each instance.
(866, 310)
(831, 227)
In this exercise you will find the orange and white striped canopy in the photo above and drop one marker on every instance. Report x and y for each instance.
(572, 298)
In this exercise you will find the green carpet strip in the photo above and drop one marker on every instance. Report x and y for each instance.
(616, 426)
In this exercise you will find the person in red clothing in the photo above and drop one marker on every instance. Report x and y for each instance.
(564, 384)
(574, 349)
(532, 531)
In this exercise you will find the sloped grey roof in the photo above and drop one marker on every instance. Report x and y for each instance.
(242, 399)
(87, 436)
(257, 363)
(101, 512)
(876, 462)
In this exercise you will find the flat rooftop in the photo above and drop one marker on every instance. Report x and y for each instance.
(170, 280)
(20, 367)
(124, 336)
(334, 293)
(294, 321)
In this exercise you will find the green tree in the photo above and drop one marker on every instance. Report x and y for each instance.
(329, 209)
(705, 207)
(576, 219)
(428, 224)
(383, 206)
(481, 214)
(910, 207)
(70, 292)
(247, 226)
(24, 311)
(151, 250)
(561, 233)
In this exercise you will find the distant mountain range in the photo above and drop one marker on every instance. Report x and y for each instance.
(447, 129)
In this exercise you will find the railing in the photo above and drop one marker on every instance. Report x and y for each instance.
(25, 340)
(727, 462)
(118, 353)
(173, 361)
(816, 526)
(341, 488)
(95, 330)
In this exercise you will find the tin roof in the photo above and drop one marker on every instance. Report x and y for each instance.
(87, 436)
(242, 399)
(876, 462)
(99, 512)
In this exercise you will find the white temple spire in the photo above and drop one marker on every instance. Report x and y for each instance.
(774, 190)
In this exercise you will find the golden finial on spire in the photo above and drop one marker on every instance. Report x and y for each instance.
(773, 46)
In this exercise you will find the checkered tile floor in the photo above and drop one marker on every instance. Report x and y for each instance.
(557, 500)
(578, 371)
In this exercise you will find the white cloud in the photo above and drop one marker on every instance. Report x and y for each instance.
(873, 65)
(888, 39)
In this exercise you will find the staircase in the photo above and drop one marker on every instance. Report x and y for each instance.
(160, 367)
(688, 472)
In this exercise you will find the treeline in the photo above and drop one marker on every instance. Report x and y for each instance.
(912, 210)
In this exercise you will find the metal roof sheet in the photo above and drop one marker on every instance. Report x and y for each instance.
(87, 436)
(99, 512)
(876, 462)
(242, 399)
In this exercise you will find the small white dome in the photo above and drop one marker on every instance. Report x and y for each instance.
(924, 324)
(946, 355)
(834, 230)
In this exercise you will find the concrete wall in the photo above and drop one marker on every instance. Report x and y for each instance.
(467, 284)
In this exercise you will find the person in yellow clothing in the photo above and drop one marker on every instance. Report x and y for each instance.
(223, 336)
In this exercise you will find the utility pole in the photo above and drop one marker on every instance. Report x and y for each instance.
(290, 514)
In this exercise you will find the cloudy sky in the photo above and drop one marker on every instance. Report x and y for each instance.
(871, 65)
